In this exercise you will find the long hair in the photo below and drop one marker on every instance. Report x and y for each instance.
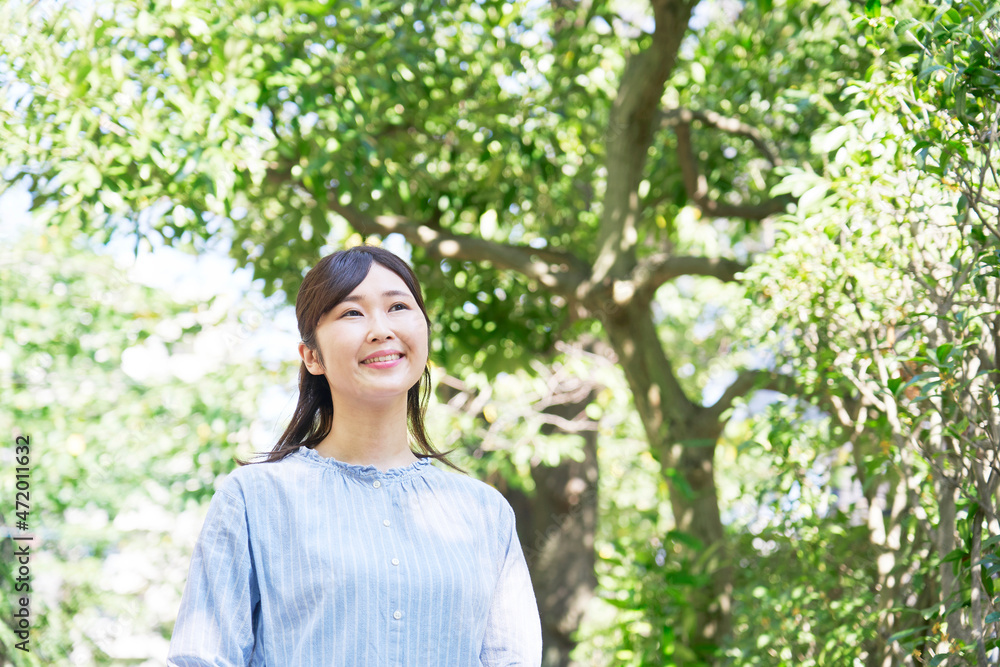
(327, 284)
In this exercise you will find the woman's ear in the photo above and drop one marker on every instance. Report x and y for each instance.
(312, 359)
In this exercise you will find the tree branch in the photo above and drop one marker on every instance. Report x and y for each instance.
(672, 117)
(843, 407)
(744, 382)
(662, 267)
(632, 125)
(559, 271)
(697, 186)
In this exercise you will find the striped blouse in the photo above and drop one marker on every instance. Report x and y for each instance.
(312, 561)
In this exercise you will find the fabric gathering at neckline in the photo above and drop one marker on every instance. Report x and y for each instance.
(362, 471)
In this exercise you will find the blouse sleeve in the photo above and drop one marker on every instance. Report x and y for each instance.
(215, 623)
(513, 628)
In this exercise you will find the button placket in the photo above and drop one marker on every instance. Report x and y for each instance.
(389, 541)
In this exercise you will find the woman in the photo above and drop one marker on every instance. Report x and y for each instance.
(344, 547)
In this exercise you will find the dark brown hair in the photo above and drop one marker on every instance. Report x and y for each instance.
(327, 284)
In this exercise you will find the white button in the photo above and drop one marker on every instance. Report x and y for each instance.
(376, 483)
(385, 522)
(395, 561)
(397, 615)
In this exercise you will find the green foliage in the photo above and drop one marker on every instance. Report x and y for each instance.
(644, 576)
(122, 462)
(259, 122)
(461, 118)
(803, 559)
(883, 294)
(806, 598)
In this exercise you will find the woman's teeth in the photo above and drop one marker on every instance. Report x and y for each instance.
(390, 357)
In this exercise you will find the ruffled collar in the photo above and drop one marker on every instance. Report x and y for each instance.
(362, 471)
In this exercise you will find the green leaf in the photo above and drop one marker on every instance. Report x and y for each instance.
(873, 8)
(903, 634)
(943, 351)
(920, 377)
(927, 71)
(686, 539)
(906, 24)
(949, 84)
(621, 604)
(832, 140)
(955, 555)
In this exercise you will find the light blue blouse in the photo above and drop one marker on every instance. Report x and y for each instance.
(310, 561)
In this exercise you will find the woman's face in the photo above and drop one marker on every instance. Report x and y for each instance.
(373, 344)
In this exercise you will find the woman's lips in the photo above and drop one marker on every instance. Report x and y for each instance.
(385, 361)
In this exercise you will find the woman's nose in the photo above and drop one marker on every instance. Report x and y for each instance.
(380, 329)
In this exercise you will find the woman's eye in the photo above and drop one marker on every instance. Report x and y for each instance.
(354, 312)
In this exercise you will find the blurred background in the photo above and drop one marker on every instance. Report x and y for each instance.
(714, 288)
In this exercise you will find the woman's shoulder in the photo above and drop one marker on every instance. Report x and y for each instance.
(475, 504)
(254, 475)
(467, 486)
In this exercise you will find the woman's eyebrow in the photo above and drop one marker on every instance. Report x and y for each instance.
(362, 298)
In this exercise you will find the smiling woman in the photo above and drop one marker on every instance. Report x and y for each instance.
(342, 298)
(371, 349)
(345, 546)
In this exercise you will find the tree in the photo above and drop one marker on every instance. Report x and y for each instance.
(885, 287)
(132, 403)
(552, 167)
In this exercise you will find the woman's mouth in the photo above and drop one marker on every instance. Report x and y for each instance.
(386, 360)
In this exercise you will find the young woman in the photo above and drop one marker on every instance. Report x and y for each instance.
(346, 547)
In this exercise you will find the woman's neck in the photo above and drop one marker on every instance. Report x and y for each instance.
(369, 435)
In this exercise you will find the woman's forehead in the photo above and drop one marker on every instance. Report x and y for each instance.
(380, 281)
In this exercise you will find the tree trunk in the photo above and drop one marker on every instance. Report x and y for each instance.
(557, 529)
(683, 437)
(564, 520)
